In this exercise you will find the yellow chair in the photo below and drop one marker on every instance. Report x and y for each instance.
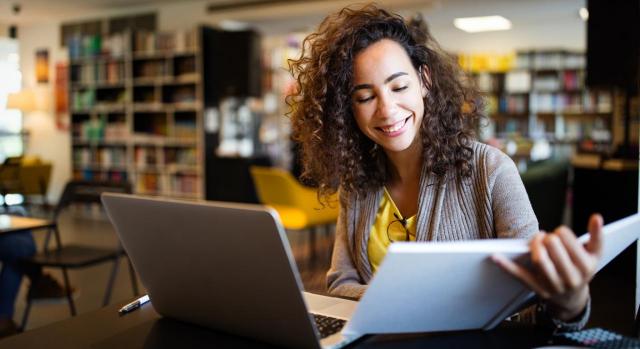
(27, 175)
(296, 204)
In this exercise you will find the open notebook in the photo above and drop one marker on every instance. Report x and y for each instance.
(445, 286)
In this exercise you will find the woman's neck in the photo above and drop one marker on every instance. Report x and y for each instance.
(405, 166)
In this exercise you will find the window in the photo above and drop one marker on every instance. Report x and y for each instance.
(10, 120)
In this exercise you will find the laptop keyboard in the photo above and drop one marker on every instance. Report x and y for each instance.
(328, 325)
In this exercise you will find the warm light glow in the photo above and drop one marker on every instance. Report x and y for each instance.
(482, 24)
(584, 13)
(28, 100)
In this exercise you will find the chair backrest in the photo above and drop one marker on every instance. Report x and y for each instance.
(278, 187)
(10, 172)
(546, 184)
(80, 191)
(34, 178)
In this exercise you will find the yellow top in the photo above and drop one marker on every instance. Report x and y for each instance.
(388, 227)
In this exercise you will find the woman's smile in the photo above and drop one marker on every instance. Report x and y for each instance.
(395, 129)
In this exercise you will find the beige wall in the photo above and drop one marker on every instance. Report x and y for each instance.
(45, 140)
(4, 30)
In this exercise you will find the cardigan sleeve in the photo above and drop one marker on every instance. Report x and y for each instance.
(343, 278)
(513, 216)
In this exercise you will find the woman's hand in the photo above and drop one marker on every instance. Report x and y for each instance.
(561, 268)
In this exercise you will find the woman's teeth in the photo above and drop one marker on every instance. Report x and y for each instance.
(395, 127)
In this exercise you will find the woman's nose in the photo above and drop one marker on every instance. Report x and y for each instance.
(386, 106)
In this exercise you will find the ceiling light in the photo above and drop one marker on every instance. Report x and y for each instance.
(482, 24)
(584, 13)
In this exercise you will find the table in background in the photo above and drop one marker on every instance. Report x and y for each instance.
(16, 224)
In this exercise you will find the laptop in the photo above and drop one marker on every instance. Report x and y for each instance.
(227, 267)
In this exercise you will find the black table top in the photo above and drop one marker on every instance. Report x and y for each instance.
(144, 328)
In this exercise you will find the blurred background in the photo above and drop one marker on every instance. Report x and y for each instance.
(182, 98)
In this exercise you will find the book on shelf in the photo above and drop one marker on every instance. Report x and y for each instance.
(153, 42)
(148, 183)
(113, 157)
(181, 156)
(184, 183)
(116, 131)
(145, 157)
(546, 83)
(518, 81)
(185, 129)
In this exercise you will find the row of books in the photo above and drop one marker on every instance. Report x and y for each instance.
(185, 184)
(513, 104)
(507, 104)
(150, 69)
(146, 156)
(521, 81)
(568, 80)
(578, 130)
(181, 156)
(551, 60)
(97, 45)
(185, 129)
(588, 102)
(105, 157)
(179, 41)
(111, 72)
(98, 130)
(100, 175)
(151, 156)
(88, 98)
(83, 99)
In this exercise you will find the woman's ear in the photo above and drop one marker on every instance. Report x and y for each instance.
(425, 80)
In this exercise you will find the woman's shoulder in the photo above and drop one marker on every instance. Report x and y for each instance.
(489, 158)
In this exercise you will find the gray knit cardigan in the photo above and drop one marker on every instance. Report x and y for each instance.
(492, 203)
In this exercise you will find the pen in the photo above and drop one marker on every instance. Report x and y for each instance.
(134, 305)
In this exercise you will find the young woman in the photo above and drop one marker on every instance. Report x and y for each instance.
(387, 118)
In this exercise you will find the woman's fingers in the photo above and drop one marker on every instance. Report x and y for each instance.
(570, 275)
(594, 246)
(522, 274)
(543, 263)
(583, 260)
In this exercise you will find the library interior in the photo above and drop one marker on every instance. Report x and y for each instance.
(206, 116)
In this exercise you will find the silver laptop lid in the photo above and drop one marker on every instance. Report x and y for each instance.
(220, 265)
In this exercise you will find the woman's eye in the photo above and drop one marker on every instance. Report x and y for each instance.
(398, 89)
(364, 99)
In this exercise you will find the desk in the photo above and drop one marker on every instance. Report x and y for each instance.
(16, 224)
(143, 328)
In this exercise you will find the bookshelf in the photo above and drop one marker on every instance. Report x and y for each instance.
(136, 105)
(542, 93)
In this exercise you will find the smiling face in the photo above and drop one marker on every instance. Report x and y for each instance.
(387, 98)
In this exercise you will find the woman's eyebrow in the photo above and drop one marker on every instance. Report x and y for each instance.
(387, 80)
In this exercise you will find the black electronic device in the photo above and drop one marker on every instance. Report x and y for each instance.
(597, 338)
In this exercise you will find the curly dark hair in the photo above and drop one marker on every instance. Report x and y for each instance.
(335, 153)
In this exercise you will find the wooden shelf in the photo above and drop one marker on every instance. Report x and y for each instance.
(151, 87)
(142, 55)
(100, 143)
(96, 59)
(100, 167)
